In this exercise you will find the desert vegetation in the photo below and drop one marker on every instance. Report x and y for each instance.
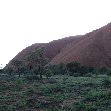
(63, 87)
(62, 92)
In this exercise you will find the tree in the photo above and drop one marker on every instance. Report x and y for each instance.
(18, 66)
(73, 67)
(54, 69)
(108, 72)
(38, 61)
(1, 68)
(63, 68)
(103, 70)
(9, 70)
(48, 73)
(83, 70)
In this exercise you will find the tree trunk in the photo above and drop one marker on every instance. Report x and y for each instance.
(40, 72)
(40, 75)
(19, 72)
(10, 72)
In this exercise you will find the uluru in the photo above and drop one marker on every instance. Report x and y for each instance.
(92, 49)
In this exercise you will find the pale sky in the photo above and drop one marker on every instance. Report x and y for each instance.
(24, 22)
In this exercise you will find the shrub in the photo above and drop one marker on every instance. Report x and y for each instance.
(106, 82)
(30, 92)
(84, 107)
(47, 72)
(73, 67)
(108, 72)
(32, 77)
(18, 84)
(6, 107)
(21, 104)
(95, 96)
(52, 81)
(31, 102)
(52, 89)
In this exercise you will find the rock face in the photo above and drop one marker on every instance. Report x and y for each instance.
(94, 49)
(91, 49)
(51, 49)
(25, 52)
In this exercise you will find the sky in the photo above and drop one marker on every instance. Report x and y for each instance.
(25, 22)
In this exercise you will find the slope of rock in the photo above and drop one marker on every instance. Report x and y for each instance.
(93, 50)
(51, 49)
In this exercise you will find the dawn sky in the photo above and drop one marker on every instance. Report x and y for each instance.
(24, 22)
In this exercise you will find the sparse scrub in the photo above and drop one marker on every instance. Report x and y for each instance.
(61, 92)
(106, 82)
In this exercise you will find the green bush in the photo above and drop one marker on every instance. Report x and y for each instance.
(84, 107)
(18, 84)
(52, 89)
(73, 67)
(106, 82)
(30, 92)
(108, 72)
(21, 104)
(6, 107)
(93, 96)
(32, 77)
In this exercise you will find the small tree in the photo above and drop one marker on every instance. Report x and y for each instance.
(108, 72)
(103, 70)
(83, 70)
(63, 68)
(73, 67)
(38, 60)
(48, 73)
(1, 68)
(9, 70)
(18, 65)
